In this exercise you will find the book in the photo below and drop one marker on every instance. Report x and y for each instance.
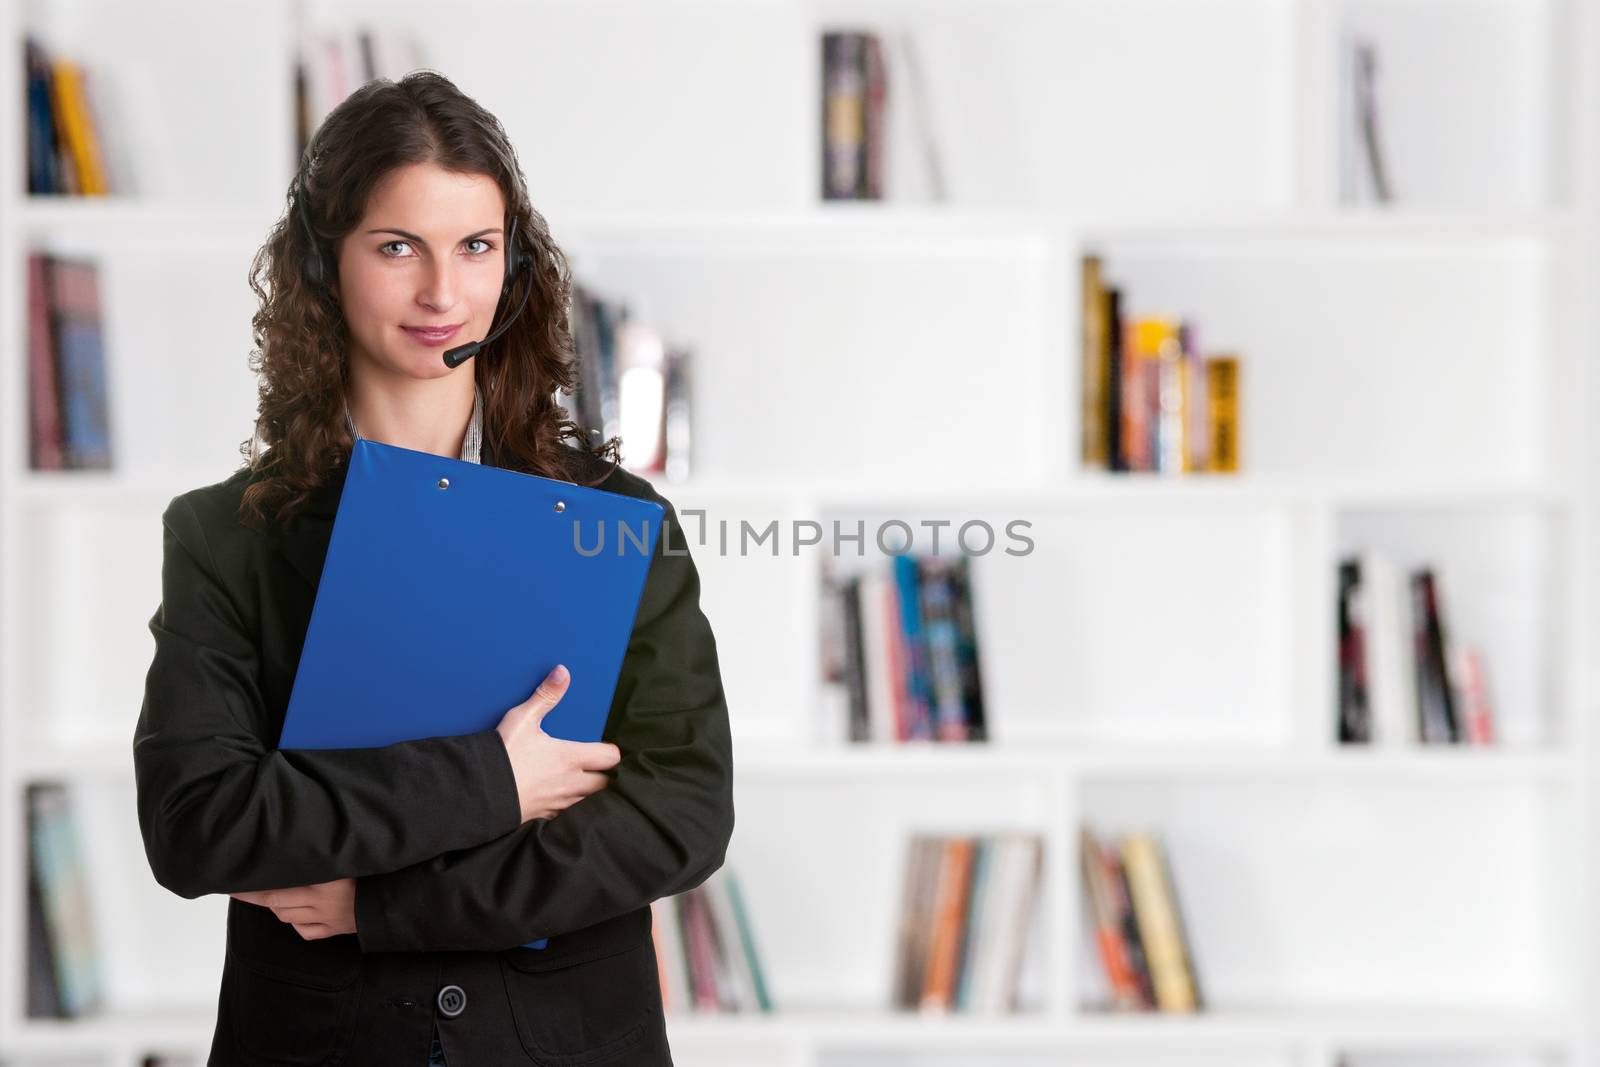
(65, 140)
(68, 404)
(1095, 356)
(854, 95)
(950, 906)
(1355, 724)
(706, 946)
(1389, 652)
(1222, 392)
(45, 444)
(1160, 925)
(1436, 710)
(901, 657)
(57, 861)
(968, 904)
(1106, 922)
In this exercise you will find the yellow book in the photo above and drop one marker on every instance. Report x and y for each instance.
(73, 118)
(1160, 932)
(1222, 392)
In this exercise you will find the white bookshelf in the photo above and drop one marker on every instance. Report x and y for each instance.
(1416, 379)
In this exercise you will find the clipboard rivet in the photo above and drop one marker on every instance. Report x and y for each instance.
(561, 505)
(444, 483)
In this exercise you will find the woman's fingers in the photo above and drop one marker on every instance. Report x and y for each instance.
(595, 755)
(593, 782)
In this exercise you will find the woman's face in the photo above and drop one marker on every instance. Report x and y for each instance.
(428, 254)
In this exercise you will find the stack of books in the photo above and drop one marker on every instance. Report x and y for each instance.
(1404, 676)
(64, 979)
(1151, 400)
(67, 152)
(706, 949)
(900, 651)
(967, 908)
(69, 425)
(1139, 932)
(631, 384)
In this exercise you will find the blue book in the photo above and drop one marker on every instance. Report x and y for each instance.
(450, 589)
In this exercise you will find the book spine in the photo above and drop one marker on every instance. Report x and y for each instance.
(955, 882)
(1116, 400)
(1121, 981)
(43, 387)
(1159, 929)
(843, 116)
(747, 939)
(1094, 353)
(968, 651)
(1222, 395)
(943, 648)
(874, 90)
(1355, 723)
(972, 923)
(855, 668)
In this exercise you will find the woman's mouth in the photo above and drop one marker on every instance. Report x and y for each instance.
(431, 335)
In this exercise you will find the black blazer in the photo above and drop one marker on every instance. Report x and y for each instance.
(449, 883)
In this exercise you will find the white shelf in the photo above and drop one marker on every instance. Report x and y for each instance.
(1456, 389)
(121, 216)
(182, 1029)
(177, 1028)
(105, 488)
(1464, 764)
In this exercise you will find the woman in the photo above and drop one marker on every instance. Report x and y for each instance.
(380, 897)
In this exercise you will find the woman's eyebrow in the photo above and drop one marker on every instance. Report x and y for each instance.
(413, 237)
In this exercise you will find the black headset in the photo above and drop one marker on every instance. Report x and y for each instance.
(319, 268)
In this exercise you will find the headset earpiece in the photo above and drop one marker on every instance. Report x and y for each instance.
(517, 258)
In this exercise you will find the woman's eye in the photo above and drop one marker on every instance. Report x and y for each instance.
(390, 244)
(487, 247)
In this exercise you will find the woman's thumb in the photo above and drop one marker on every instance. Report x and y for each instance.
(549, 692)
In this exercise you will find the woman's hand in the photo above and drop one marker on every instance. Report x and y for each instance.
(552, 774)
(315, 911)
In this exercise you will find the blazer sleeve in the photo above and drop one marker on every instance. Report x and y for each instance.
(660, 827)
(223, 810)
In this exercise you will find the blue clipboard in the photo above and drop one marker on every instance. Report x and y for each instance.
(450, 589)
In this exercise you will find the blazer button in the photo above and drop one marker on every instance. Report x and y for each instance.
(452, 1001)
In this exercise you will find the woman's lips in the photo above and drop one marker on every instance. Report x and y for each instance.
(433, 335)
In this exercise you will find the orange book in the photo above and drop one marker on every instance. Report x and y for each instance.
(1103, 911)
(955, 882)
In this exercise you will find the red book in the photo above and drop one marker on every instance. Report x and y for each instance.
(43, 395)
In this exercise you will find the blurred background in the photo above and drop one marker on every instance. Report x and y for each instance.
(1237, 350)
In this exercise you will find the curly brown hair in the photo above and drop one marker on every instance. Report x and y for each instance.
(300, 336)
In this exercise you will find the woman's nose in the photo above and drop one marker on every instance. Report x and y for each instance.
(439, 287)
